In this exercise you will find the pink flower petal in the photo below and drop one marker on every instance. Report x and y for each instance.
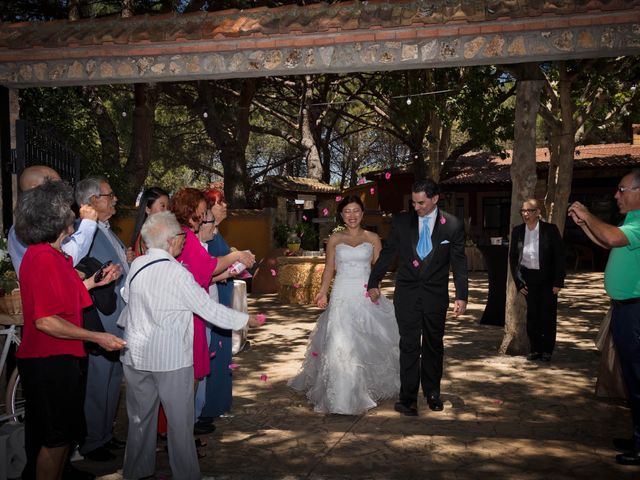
(273, 272)
(261, 318)
(361, 181)
(212, 355)
(325, 212)
(304, 217)
(387, 176)
(498, 402)
(415, 263)
(318, 268)
(263, 377)
(443, 220)
(296, 285)
(372, 191)
(232, 366)
(338, 198)
(366, 294)
(314, 354)
(220, 343)
(366, 285)
(301, 234)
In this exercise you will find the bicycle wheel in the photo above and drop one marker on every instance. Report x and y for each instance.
(14, 401)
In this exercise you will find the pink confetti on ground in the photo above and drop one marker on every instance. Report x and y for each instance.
(415, 263)
(372, 191)
(377, 302)
(387, 176)
(233, 366)
(261, 318)
(338, 198)
(325, 212)
(264, 377)
(498, 402)
(314, 354)
(443, 220)
(212, 355)
(273, 272)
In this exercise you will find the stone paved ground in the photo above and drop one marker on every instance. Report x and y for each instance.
(504, 417)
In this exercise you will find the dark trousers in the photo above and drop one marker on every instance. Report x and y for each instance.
(421, 349)
(625, 328)
(542, 311)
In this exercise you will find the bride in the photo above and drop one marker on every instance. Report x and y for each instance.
(352, 360)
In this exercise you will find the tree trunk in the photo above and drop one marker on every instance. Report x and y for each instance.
(523, 178)
(560, 178)
(137, 166)
(314, 166)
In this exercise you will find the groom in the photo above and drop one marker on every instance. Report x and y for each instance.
(428, 242)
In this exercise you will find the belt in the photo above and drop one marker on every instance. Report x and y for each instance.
(627, 301)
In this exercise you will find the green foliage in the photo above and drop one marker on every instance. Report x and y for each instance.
(280, 235)
(308, 236)
(8, 277)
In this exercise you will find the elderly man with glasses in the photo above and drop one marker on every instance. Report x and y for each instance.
(622, 284)
(104, 376)
(162, 296)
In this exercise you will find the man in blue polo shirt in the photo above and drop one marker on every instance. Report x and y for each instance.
(622, 283)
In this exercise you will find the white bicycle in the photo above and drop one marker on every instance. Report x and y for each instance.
(14, 400)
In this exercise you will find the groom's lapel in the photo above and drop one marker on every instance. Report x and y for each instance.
(414, 234)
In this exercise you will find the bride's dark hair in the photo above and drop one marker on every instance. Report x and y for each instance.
(346, 201)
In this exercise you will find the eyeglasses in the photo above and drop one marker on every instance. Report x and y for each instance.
(626, 189)
(528, 210)
(110, 195)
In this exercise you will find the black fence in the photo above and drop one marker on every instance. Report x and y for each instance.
(35, 146)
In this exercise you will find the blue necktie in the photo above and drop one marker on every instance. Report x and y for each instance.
(424, 242)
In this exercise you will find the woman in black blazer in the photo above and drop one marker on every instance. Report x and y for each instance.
(537, 259)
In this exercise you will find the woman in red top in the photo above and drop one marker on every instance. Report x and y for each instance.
(51, 357)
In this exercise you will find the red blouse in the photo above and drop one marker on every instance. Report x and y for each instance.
(50, 286)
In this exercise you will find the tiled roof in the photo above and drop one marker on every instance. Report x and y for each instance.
(264, 25)
(300, 185)
(487, 168)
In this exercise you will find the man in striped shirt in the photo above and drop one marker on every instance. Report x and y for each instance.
(162, 297)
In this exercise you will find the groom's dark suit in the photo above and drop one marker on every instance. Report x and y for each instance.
(421, 296)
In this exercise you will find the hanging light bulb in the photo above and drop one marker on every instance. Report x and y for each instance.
(205, 115)
(41, 109)
(408, 100)
(124, 114)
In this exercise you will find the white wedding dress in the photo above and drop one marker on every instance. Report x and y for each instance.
(352, 360)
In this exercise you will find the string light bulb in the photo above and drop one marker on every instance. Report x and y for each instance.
(205, 115)
(124, 114)
(408, 100)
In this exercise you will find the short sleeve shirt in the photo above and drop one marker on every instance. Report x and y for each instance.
(622, 275)
(50, 286)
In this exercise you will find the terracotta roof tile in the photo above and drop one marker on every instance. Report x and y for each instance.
(284, 20)
(300, 185)
(487, 168)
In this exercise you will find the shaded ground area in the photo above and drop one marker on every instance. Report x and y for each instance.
(504, 417)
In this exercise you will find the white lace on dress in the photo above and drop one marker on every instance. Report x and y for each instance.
(352, 358)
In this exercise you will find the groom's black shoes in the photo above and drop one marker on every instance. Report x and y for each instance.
(408, 409)
(434, 402)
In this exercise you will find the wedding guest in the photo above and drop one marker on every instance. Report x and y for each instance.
(352, 356)
(152, 200)
(536, 257)
(189, 206)
(75, 245)
(621, 284)
(162, 297)
(218, 396)
(51, 357)
(104, 377)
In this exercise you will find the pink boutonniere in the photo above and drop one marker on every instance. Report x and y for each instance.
(442, 220)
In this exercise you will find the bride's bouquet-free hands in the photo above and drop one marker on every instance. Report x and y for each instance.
(321, 300)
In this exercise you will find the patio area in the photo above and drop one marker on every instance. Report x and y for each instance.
(504, 417)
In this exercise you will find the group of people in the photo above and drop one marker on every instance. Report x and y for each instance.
(85, 319)
(162, 306)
